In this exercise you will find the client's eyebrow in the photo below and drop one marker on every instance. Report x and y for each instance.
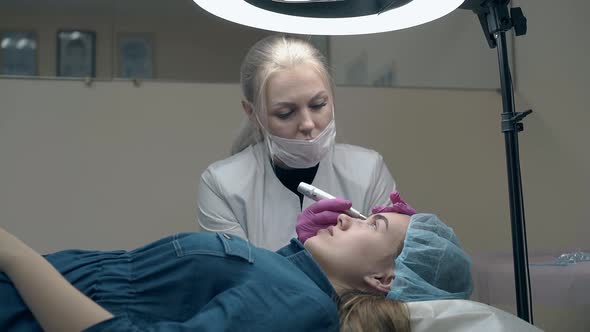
(382, 217)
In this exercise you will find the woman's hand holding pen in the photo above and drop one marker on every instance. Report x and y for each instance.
(320, 215)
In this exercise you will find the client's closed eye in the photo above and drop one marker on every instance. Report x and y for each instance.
(373, 224)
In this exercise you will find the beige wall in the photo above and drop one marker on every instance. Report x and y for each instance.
(552, 78)
(107, 166)
(115, 166)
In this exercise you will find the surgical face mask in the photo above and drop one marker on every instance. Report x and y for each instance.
(298, 153)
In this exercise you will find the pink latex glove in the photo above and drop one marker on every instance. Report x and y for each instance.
(320, 215)
(398, 206)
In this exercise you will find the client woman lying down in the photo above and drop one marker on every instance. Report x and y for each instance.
(218, 282)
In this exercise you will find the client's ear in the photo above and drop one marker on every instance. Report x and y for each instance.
(381, 281)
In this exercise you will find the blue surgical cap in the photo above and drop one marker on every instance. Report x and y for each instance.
(432, 264)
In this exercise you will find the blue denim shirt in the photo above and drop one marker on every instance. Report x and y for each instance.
(193, 282)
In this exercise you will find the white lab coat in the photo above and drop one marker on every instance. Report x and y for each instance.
(242, 195)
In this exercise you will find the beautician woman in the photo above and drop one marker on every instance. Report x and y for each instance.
(288, 137)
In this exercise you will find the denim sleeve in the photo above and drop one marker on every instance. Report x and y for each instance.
(247, 309)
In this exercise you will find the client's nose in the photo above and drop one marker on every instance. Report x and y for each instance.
(345, 221)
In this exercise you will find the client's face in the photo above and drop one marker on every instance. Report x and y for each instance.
(355, 248)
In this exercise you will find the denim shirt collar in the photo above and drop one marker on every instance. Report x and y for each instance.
(300, 257)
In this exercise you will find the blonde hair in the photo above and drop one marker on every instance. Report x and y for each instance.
(268, 56)
(362, 311)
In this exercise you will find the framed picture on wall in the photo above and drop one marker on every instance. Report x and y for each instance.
(76, 53)
(135, 55)
(18, 53)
